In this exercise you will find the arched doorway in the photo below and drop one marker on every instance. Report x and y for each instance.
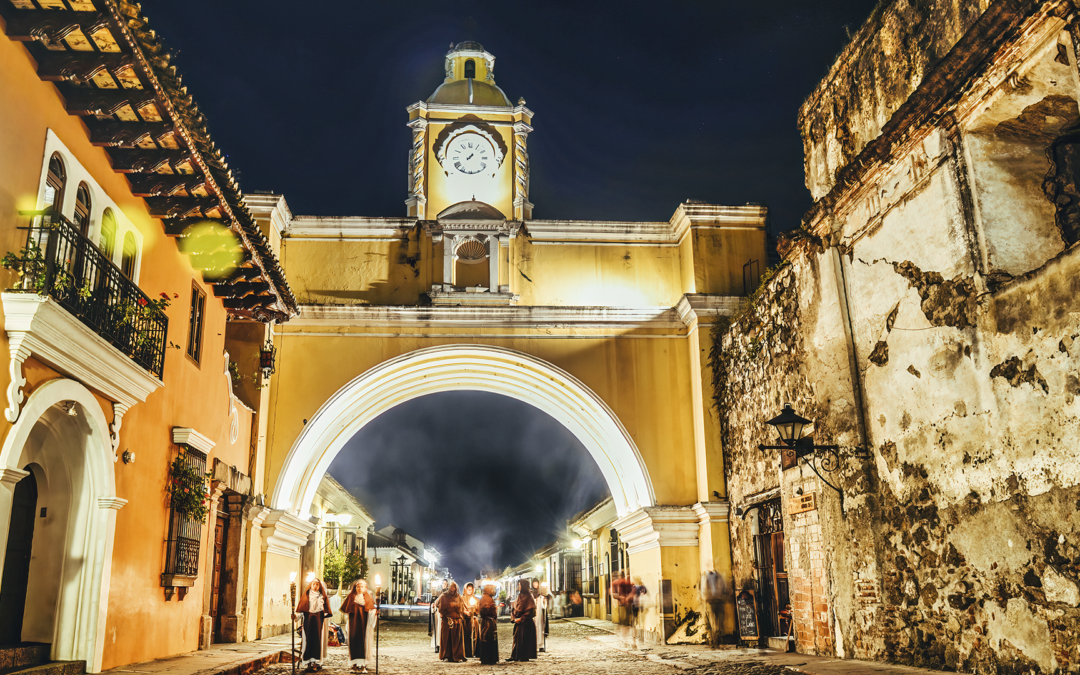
(62, 440)
(456, 368)
(16, 573)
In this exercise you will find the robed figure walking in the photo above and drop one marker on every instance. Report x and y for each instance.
(359, 606)
(487, 643)
(313, 609)
(452, 633)
(524, 617)
(469, 604)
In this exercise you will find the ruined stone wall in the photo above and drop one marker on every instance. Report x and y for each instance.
(936, 324)
(885, 62)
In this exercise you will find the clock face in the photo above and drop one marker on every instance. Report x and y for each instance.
(470, 154)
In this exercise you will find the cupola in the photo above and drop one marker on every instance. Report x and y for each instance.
(470, 78)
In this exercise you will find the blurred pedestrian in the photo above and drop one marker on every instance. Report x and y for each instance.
(487, 645)
(713, 592)
(637, 605)
(577, 604)
(313, 609)
(359, 606)
(524, 618)
(622, 591)
(452, 633)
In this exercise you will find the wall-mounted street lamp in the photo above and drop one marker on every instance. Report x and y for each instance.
(794, 447)
(266, 357)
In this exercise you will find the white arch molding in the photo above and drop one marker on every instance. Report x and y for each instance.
(464, 368)
(77, 451)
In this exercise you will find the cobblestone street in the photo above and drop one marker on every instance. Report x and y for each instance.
(571, 648)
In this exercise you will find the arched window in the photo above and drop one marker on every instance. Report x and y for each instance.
(127, 261)
(470, 69)
(54, 184)
(82, 209)
(107, 242)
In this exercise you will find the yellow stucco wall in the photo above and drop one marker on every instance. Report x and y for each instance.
(194, 395)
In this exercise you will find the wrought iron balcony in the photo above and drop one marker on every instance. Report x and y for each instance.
(63, 264)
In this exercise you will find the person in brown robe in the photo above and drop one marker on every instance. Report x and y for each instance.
(487, 643)
(359, 606)
(313, 609)
(524, 618)
(452, 633)
(472, 622)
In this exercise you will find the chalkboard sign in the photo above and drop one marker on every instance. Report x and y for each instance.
(746, 607)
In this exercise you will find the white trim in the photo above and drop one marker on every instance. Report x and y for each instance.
(84, 600)
(192, 438)
(484, 336)
(75, 174)
(703, 309)
(49, 332)
(712, 512)
(284, 534)
(464, 367)
(658, 526)
(492, 316)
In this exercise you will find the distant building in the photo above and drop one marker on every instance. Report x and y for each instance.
(342, 525)
(404, 564)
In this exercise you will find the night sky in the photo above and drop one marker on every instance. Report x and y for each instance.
(639, 106)
(484, 478)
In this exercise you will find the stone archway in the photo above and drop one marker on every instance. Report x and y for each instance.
(455, 368)
(63, 437)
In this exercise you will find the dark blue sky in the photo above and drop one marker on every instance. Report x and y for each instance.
(639, 105)
(484, 478)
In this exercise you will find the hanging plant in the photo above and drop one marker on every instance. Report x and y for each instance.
(188, 490)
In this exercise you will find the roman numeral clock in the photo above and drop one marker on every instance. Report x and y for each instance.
(470, 158)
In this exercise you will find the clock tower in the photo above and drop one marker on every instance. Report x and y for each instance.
(469, 142)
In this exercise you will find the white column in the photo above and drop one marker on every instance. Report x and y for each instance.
(493, 263)
(448, 262)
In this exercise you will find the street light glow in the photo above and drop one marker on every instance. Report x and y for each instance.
(310, 577)
(378, 581)
(292, 577)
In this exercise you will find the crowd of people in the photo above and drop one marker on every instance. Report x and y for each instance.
(462, 624)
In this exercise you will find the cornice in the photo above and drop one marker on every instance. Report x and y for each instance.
(348, 227)
(284, 534)
(703, 308)
(192, 439)
(712, 512)
(488, 316)
(658, 526)
(39, 326)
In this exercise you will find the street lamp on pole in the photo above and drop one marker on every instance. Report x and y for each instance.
(378, 613)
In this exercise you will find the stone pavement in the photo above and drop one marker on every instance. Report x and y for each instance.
(226, 659)
(576, 646)
(702, 660)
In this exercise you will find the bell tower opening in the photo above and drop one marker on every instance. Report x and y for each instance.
(470, 69)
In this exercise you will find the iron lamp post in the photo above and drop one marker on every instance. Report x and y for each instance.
(378, 618)
(793, 447)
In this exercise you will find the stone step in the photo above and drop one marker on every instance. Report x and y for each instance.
(25, 655)
(51, 668)
(781, 644)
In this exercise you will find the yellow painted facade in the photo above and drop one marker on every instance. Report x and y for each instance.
(620, 310)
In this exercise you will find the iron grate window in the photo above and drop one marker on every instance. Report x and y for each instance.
(195, 323)
(185, 533)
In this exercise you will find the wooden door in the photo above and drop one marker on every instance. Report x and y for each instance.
(221, 535)
(17, 561)
(771, 563)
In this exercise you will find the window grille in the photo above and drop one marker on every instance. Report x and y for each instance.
(185, 533)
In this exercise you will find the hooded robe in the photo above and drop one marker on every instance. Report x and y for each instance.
(360, 608)
(524, 617)
(452, 634)
(314, 610)
(487, 643)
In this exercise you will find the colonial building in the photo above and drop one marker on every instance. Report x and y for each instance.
(342, 527)
(601, 324)
(601, 554)
(136, 308)
(925, 322)
(403, 563)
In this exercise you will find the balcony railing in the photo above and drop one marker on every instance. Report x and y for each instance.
(62, 263)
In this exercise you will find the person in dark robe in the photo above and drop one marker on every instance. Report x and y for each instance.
(524, 617)
(469, 603)
(313, 609)
(452, 633)
(487, 644)
(359, 606)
